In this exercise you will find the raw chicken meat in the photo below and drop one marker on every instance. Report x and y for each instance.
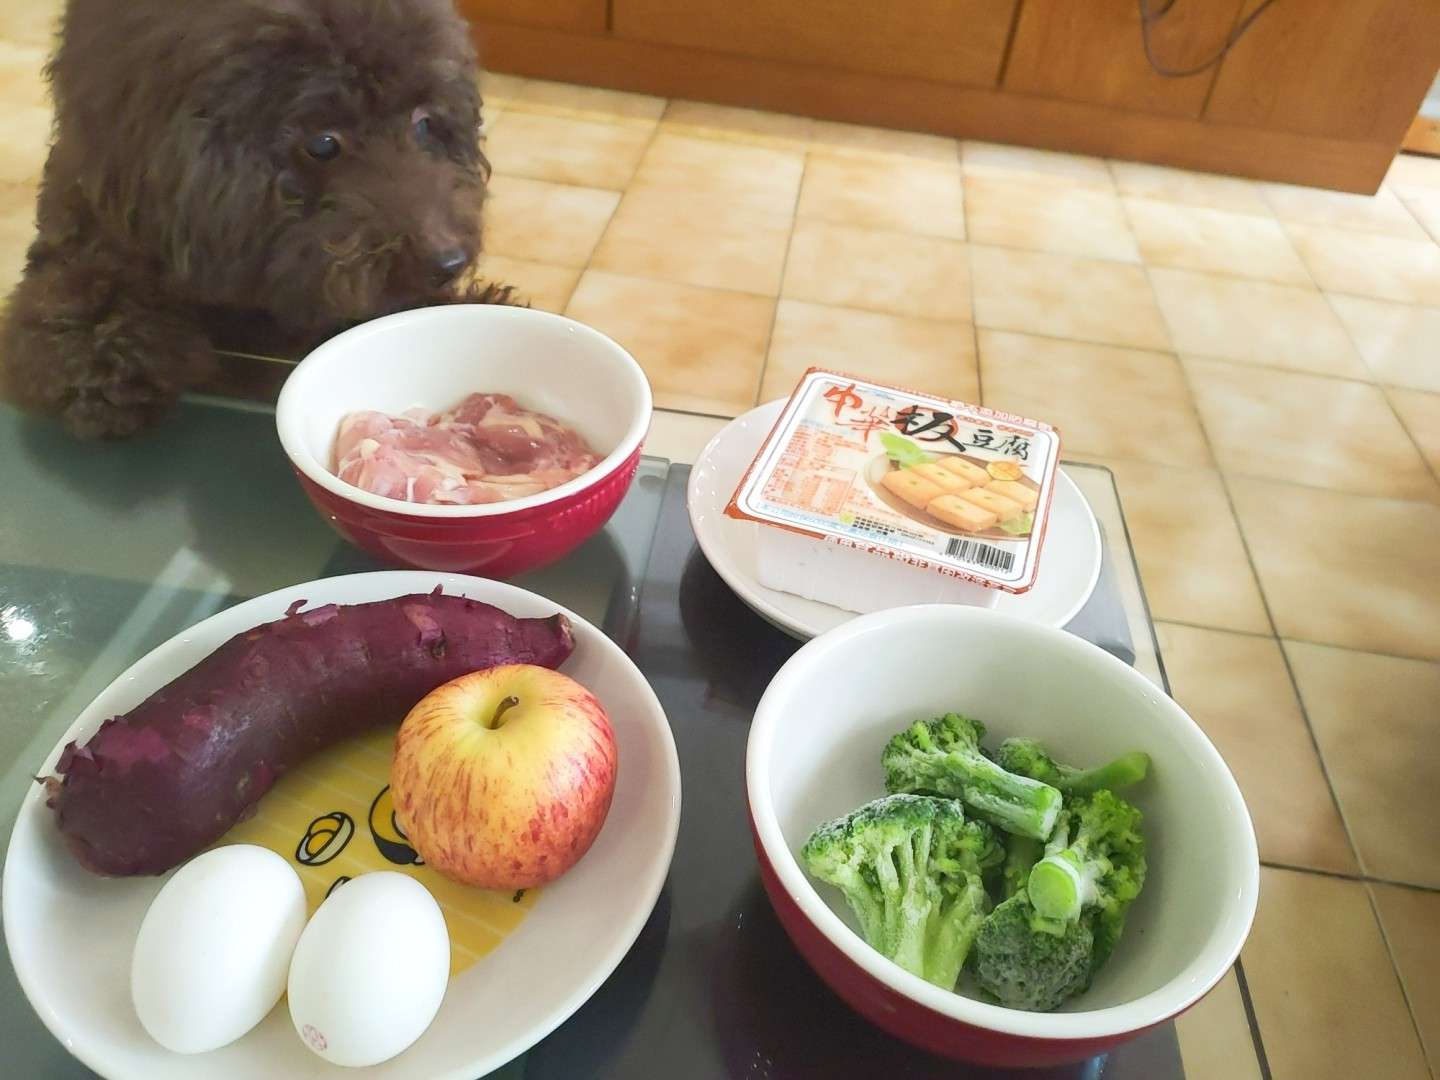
(486, 449)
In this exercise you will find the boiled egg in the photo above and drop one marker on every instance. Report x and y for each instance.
(215, 946)
(369, 973)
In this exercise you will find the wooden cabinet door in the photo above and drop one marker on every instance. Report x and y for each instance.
(581, 16)
(1350, 69)
(953, 41)
(1091, 50)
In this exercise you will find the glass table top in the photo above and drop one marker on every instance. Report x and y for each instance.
(107, 551)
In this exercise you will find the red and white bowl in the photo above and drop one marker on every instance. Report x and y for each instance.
(814, 754)
(432, 358)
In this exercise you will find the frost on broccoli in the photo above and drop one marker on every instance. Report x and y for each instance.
(943, 757)
(910, 868)
(1028, 757)
(1095, 861)
(1026, 966)
(1064, 862)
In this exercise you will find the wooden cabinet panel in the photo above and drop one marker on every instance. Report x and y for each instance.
(582, 16)
(953, 41)
(1091, 50)
(1350, 69)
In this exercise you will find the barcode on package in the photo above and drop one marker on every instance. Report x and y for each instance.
(978, 554)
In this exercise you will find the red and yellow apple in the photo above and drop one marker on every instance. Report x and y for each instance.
(503, 777)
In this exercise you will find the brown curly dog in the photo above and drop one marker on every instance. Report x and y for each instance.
(305, 163)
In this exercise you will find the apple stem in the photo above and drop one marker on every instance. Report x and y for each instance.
(506, 705)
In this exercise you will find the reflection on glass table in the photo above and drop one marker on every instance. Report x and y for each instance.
(106, 551)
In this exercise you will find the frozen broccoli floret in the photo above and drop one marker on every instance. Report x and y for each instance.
(909, 866)
(965, 845)
(1025, 966)
(943, 757)
(1020, 855)
(1028, 757)
(1095, 860)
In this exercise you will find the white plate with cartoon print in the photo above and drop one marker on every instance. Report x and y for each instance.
(71, 933)
(1069, 567)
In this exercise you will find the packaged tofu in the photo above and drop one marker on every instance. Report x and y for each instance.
(867, 496)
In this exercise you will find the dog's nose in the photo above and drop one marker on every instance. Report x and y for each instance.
(449, 263)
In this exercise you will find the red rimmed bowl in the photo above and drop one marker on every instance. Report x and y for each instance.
(814, 754)
(432, 358)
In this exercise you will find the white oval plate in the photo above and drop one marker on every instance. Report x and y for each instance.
(1068, 571)
(71, 933)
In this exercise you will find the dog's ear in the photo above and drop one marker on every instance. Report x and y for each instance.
(458, 105)
(215, 169)
(229, 203)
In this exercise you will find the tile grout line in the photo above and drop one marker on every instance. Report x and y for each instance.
(1360, 352)
(1252, 1019)
(1283, 637)
(969, 241)
(970, 257)
(1251, 1015)
(1223, 274)
(1405, 202)
(1355, 344)
(1399, 978)
(610, 219)
(1310, 727)
(1361, 878)
(1369, 378)
(780, 289)
(975, 325)
(1285, 657)
(1228, 275)
(1174, 353)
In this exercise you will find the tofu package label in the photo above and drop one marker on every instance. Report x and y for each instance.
(942, 485)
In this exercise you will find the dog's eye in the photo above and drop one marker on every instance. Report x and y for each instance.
(422, 126)
(322, 147)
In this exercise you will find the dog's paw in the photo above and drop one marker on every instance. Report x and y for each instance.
(490, 292)
(481, 292)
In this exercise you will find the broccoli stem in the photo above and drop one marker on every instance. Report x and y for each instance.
(1125, 770)
(1015, 803)
(906, 899)
(1023, 853)
(1028, 757)
(1060, 887)
(943, 757)
(952, 931)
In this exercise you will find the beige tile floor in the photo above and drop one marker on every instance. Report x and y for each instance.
(1258, 364)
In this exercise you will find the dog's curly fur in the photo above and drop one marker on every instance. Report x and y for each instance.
(312, 163)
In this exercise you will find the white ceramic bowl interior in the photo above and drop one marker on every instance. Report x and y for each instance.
(433, 357)
(71, 933)
(814, 754)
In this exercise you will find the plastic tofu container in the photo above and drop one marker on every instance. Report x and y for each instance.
(868, 497)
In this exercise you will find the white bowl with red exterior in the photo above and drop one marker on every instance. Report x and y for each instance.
(814, 754)
(433, 358)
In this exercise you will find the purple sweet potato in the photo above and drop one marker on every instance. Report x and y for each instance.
(163, 782)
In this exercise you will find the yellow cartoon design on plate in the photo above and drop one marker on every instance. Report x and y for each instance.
(325, 838)
(390, 839)
(333, 819)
